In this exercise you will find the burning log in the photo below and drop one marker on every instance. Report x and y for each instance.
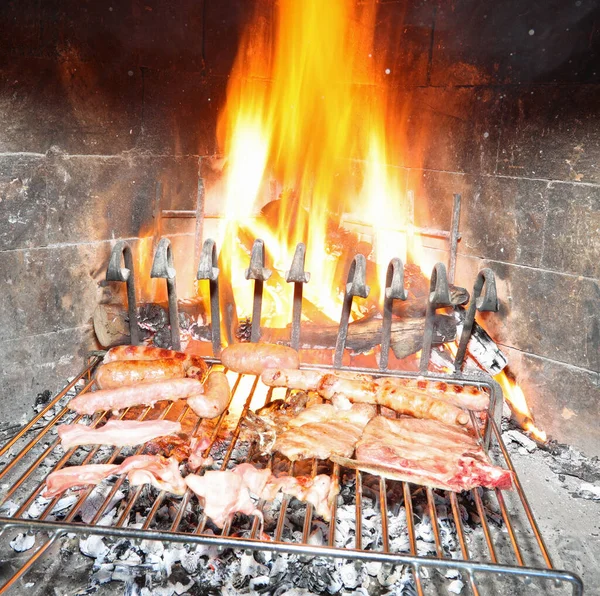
(481, 346)
(365, 334)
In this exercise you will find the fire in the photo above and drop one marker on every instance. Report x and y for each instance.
(516, 398)
(310, 116)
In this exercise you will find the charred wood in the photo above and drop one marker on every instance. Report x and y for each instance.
(365, 334)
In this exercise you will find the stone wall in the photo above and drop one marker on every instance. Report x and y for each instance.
(99, 101)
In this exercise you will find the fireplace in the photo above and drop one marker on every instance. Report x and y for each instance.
(110, 118)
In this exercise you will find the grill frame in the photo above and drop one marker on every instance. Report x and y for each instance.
(471, 567)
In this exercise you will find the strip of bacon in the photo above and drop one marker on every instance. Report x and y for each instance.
(60, 480)
(222, 494)
(225, 493)
(142, 394)
(156, 470)
(140, 469)
(120, 433)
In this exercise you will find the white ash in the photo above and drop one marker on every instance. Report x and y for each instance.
(587, 491)
(521, 439)
(22, 542)
(456, 586)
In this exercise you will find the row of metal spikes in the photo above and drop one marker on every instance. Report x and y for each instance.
(483, 298)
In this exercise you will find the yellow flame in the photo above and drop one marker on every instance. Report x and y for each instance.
(516, 398)
(310, 116)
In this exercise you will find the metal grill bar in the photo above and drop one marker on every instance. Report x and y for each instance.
(486, 561)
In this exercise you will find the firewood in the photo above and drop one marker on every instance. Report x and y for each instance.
(111, 325)
(364, 334)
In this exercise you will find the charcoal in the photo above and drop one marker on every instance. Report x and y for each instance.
(42, 399)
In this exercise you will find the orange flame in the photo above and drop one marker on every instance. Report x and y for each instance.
(311, 117)
(516, 398)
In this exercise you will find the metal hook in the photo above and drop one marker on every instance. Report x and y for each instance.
(114, 272)
(355, 286)
(207, 269)
(439, 297)
(394, 290)
(485, 280)
(163, 267)
(259, 274)
(297, 276)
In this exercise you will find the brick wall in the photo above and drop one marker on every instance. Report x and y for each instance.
(501, 102)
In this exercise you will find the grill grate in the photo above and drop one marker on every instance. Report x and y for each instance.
(502, 555)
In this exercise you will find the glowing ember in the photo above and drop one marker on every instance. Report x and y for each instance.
(293, 116)
(516, 398)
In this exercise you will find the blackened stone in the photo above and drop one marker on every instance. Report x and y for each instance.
(551, 132)
(511, 42)
(541, 312)
(94, 198)
(180, 112)
(225, 22)
(402, 36)
(449, 129)
(80, 107)
(168, 35)
(23, 202)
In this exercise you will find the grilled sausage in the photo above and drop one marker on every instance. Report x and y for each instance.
(122, 373)
(253, 359)
(194, 366)
(142, 394)
(391, 396)
(215, 399)
(467, 397)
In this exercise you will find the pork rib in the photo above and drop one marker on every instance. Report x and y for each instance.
(323, 430)
(120, 433)
(426, 452)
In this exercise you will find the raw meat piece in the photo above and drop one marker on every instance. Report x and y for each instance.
(426, 452)
(156, 470)
(225, 493)
(120, 433)
(319, 491)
